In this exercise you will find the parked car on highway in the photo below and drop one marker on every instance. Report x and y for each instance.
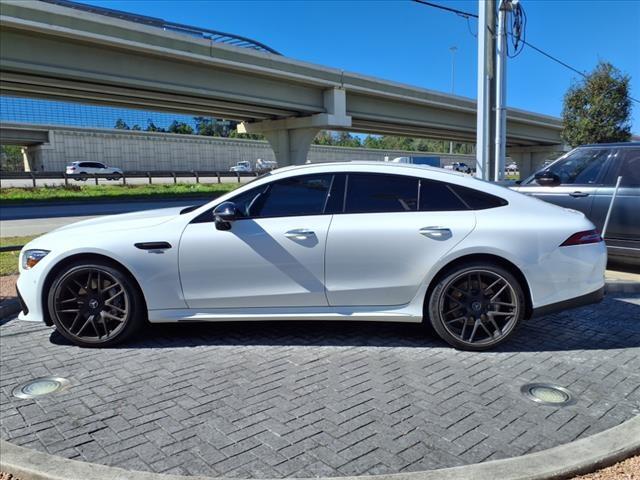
(374, 241)
(459, 167)
(511, 168)
(84, 169)
(243, 167)
(584, 179)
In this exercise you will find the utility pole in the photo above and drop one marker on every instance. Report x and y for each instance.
(453, 51)
(501, 92)
(486, 54)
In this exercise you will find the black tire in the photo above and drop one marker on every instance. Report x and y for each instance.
(83, 176)
(106, 309)
(116, 176)
(476, 306)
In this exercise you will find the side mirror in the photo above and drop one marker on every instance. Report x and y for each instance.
(547, 178)
(224, 214)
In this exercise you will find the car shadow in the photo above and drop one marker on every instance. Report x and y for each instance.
(612, 324)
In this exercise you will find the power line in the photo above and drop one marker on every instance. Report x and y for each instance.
(468, 15)
(448, 9)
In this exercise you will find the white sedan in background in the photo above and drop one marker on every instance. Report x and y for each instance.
(84, 169)
(341, 241)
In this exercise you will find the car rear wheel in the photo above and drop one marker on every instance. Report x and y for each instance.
(477, 306)
(95, 305)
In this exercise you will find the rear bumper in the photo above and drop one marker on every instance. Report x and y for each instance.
(588, 299)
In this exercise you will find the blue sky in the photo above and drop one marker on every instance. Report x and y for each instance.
(407, 42)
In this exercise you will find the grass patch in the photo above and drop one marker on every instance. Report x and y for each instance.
(101, 192)
(9, 260)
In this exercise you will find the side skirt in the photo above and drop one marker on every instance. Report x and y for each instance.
(371, 314)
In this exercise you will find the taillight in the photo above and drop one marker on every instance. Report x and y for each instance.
(582, 238)
(71, 168)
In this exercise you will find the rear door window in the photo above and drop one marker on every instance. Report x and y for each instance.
(372, 192)
(630, 167)
(439, 197)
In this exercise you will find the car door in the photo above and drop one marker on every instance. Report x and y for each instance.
(623, 231)
(581, 173)
(273, 254)
(381, 247)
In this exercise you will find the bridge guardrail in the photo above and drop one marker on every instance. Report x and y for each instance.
(175, 174)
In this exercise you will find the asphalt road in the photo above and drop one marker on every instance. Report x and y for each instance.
(36, 219)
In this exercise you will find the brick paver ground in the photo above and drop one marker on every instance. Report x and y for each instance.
(291, 399)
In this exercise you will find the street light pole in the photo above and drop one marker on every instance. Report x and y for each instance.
(453, 49)
(501, 91)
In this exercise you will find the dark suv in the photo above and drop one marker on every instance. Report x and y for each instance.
(584, 179)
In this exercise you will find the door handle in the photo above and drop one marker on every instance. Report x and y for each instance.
(436, 233)
(579, 194)
(299, 233)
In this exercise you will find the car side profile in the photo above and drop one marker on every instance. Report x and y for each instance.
(584, 179)
(341, 241)
(84, 169)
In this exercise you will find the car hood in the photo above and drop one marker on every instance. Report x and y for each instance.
(123, 221)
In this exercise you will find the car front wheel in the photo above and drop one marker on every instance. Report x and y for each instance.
(95, 305)
(477, 306)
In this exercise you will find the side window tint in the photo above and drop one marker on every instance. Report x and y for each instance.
(477, 200)
(367, 193)
(303, 195)
(582, 167)
(438, 197)
(630, 168)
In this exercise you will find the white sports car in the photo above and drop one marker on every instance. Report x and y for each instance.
(343, 241)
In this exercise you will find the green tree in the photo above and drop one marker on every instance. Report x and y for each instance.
(151, 127)
(11, 158)
(180, 127)
(121, 125)
(597, 109)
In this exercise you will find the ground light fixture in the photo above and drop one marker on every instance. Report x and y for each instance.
(39, 387)
(547, 394)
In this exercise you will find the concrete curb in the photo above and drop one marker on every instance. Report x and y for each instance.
(575, 458)
(621, 286)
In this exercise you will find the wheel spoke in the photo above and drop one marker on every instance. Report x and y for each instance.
(499, 292)
(473, 332)
(112, 317)
(456, 320)
(115, 308)
(108, 300)
(504, 304)
(502, 314)
(485, 329)
(488, 289)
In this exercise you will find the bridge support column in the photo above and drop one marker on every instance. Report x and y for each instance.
(530, 159)
(291, 146)
(292, 137)
(27, 160)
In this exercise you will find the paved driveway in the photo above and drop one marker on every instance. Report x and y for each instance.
(278, 399)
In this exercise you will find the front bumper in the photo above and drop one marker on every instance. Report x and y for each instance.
(588, 299)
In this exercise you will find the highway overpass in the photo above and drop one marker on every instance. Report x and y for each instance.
(52, 51)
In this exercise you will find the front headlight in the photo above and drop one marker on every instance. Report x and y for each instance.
(30, 258)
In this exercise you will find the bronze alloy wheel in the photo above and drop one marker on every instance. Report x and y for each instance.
(477, 308)
(93, 305)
